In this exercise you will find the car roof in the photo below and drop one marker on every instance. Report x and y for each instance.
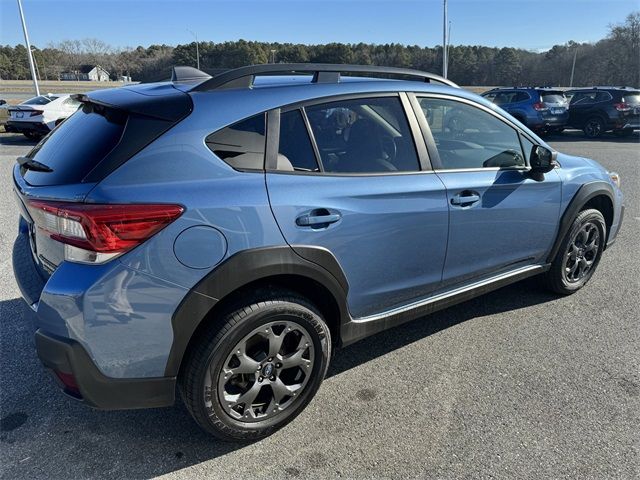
(622, 89)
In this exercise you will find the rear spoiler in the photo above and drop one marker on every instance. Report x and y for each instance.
(163, 101)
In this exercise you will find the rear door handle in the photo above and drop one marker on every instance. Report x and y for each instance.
(318, 218)
(465, 198)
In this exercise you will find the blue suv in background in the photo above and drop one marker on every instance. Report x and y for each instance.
(221, 236)
(544, 110)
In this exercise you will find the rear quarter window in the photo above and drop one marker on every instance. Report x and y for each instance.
(242, 144)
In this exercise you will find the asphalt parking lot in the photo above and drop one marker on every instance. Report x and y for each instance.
(518, 383)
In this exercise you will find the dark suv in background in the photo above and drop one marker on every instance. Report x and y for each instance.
(542, 109)
(597, 110)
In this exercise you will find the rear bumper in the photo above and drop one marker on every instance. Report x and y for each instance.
(22, 127)
(95, 389)
(552, 122)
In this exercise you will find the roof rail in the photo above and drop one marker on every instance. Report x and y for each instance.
(244, 77)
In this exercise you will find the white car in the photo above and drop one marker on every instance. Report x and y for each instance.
(39, 115)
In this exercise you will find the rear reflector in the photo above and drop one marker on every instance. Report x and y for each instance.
(69, 383)
(94, 233)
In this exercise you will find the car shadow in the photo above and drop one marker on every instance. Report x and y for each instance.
(512, 297)
(16, 140)
(39, 425)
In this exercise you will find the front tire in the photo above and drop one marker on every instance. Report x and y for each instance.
(257, 368)
(579, 253)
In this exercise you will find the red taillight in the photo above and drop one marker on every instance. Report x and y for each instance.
(35, 113)
(107, 230)
(540, 107)
(622, 107)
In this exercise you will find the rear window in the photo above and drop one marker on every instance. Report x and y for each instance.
(631, 98)
(40, 100)
(553, 97)
(76, 146)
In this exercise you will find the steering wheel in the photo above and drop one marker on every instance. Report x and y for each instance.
(389, 147)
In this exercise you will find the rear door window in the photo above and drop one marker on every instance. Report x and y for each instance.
(603, 96)
(582, 98)
(76, 146)
(367, 135)
(295, 151)
(520, 97)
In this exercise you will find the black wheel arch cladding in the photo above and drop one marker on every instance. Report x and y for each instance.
(583, 196)
(244, 268)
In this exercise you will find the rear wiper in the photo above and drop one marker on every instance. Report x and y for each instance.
(34, 165)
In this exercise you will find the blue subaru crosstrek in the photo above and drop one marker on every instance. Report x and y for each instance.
(544, 110)
(221, 236)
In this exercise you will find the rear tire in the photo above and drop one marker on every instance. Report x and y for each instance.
(594, 127)
(579, 253)
(272, 351)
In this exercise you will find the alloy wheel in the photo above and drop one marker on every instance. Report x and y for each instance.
(582, 252)
(593, 128)
(265, 373)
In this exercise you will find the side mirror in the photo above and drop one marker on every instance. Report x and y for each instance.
(542, 160)
(2, 102)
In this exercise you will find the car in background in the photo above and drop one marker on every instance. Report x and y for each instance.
(597, 110)
(3, 111)
(39, 115)
(542, 109)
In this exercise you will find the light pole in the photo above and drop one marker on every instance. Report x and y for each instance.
(29, 53)
(573, 67)
(35, 62)
(444, 42)
(197, 49)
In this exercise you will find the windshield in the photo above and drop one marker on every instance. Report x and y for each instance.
(632, 98)
(41, 100)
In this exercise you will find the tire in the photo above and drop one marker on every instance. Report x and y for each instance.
(564, 277)
(214, 399)
(627, 132)
(594, 127)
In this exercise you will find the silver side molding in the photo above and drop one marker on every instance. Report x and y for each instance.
(451, 294)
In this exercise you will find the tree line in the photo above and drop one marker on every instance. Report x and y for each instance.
(614, 60)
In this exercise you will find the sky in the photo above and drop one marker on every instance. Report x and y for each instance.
(530, 24)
